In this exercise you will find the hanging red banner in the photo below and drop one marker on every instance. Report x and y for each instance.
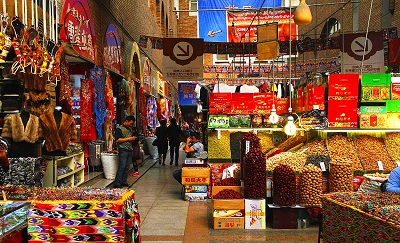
(77, 28)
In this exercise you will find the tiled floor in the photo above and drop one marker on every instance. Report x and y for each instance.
(165, 217)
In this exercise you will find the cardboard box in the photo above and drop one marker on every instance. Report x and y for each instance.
(375, 87)
(242, 103)
(228, 219)
(342, 113)
(196, 197)
(373, 117)
(220, 103)
(228, 204)
(343, 86)
(255, 214)
(195, 188)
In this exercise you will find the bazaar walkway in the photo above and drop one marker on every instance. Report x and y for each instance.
(166, 217)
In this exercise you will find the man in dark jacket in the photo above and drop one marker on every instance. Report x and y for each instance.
(174, 132)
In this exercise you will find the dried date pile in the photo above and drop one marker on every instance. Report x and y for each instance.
(371, 150)
(284, 189)
(341, 148)
(228, 194)
(296, 161)
(341, 176)
(254, 174)
(310, 186)
(392, 142)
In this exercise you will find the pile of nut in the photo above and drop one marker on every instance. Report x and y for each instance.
(316, 147)
(254, 174)
(219, 148)
(392, 142)
(341, 176)
(284, 189)
(371, 150)
(318, 159)
(310, 186)
(278, 137)
(341, 148)
(296, 161)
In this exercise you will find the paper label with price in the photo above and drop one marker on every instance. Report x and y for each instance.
(322, 164)
(247, 147)
(380, 165)
(219, 134)
(398, 164)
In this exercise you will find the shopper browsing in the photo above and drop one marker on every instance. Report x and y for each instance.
(124, 139)
(393, 183)
(162, 141)
(174, 133)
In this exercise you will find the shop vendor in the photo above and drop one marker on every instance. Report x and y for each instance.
(393, 183)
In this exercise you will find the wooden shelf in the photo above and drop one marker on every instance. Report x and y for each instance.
(69, 173)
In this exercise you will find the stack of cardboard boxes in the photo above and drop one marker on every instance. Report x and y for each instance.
(195, 179)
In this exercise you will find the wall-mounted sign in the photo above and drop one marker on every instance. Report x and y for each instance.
(160, 84)
(186, 93)
(112, 50)
(77, 28)
(147, 75)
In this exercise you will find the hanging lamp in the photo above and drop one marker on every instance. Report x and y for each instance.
(302, 14)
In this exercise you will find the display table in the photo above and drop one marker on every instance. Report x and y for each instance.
(344, 223)
(78, 215)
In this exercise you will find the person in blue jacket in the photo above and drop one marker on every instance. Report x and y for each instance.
(393, 183)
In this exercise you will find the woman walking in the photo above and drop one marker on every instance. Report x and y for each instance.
(162, 141)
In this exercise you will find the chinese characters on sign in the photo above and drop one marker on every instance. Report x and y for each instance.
(78, 28)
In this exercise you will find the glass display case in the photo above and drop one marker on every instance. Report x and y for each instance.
(13, 217)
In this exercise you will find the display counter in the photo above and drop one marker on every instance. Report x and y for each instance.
(13, 218)
(345, 223)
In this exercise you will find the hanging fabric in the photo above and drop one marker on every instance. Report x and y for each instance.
(88, 131)
(64, 99)
(96, 75)
(110, 114)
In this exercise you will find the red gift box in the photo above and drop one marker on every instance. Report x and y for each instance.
(242, 103)
(342, 113)
(220, 103)
(343, 86)
(262, 103)
(282, 106)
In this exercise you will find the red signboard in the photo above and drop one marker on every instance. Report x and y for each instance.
(112, 50)
(77, 28)
(242, 103)
(220, 103)
(147, 76)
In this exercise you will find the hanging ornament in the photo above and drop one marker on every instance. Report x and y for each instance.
(302, 14)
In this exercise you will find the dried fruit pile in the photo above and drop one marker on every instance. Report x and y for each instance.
(310, 186)
(284, 189)
(371, 150)
(296, 161)
(341, 148)
(219, 148)
(341, 176)
(392, 142)
(228, 194)
(254, 174)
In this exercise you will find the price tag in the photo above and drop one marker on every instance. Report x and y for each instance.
(304, 150)
(322, 164)
(380, 165)
(219, 134)
(398, 164)
(247, 147)
(255, 131)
